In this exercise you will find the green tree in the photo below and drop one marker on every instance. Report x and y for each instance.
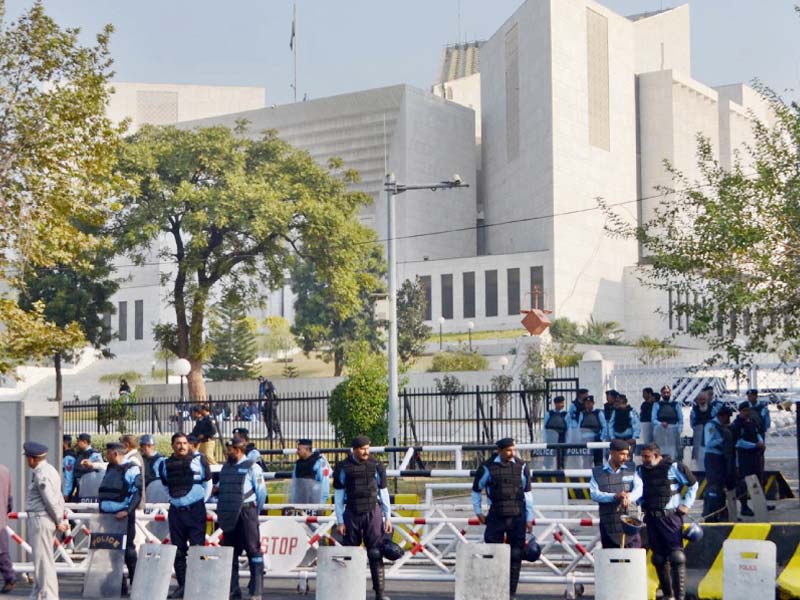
(565, 330)
(278, 340)
(233, 340)
(78, 293)
(601, 332)
(236, 208)
(727, 245)
(358, 404)
(650, 350)
(321, 327)
(57, 151)
(412, 333)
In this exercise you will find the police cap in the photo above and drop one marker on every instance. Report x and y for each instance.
(558, 400)
(147, 440)
(236, 442)
(612, 393)
(241, 431)
(752, 391)
(619, 445)
(85, 437)
(34, 449)
(305, 442)
(192, 439)
(115, 446)
(360, 441)
(505, 443)
(67, 438)
(743, 405)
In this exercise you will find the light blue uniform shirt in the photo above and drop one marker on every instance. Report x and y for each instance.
(677, 482)
(200, 490)
(715, 443)
(253, 484)
(67, 475)
(322, 473)
(483, 482)
(630, 478)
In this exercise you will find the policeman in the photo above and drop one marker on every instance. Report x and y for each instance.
(610, 404)
(508, 490)
(85, 457)
(45, 507)
(576, 406)
(194, 442)
(151, 458)
(241, 494)
(720, 464)
(187, 478)
(68, 469)
(624, 423)
(555, 431)
(702, 412)
(362, 507)
(616, 487)
(592, 426)
(664, 509)
(749, 446)
(206, 431)
(759, 412)
(668, 424)
(120, 494)
(310, 476)
(646, 415)
(251, 452)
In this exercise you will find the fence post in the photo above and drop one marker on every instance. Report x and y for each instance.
(478, 414)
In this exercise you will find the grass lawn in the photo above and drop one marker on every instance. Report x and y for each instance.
(503, 334)
(307, 366)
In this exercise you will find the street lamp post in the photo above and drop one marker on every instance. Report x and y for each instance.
(393, 189)
(503, 362)
(470, 327)
(441, 322)
(182, 368)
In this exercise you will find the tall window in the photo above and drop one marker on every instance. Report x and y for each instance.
(512, 93)
(138, 320)
(426, 285)
(537, 287)
(598, 90)
(447, 296)
(512, 276)
(469, 294)
(491, 293)
(122, 331)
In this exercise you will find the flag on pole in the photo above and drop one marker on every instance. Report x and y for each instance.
(294, 19)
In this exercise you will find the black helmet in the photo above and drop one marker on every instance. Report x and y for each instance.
(392, 551)
(532, 550)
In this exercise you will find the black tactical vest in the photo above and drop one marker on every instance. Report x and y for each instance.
(728, 446)
(149, 474)
(609, 517)
(230, 496)
(657, 486)
(701, 417)
(113, 487)
(591, 421)
(755, 415)
(668, 412)
(747, 430)
(646, 412)
(180, 477)
(304, 467)
(80, 471)
(505, 488)
(360, 484)
(608, 410)
(558, 421)
(622, 419)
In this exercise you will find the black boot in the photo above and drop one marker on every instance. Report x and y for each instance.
(378, 580)
(235, 592)
(678, 561)
(256, 585)
(180, 576)
(516, 567)
(664, 579)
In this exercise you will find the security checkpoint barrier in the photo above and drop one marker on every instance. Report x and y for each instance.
(482, 571)
(342, 574)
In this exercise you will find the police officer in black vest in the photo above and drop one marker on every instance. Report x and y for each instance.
(311, 483)
(555, 428)
(616, 487)
(362, 506)
(749, 446)
(664, 509)
(240, 495)
(507, 482)
(187, 477)
(646, 414)
(720, 465)
(151, 458)
(120, 494)
(85, 457)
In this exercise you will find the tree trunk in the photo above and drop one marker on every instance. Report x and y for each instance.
(197, 387)
(59, 379)
(338, 362)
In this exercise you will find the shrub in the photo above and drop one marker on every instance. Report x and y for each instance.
(462, 359)
(450, 387)
(358, 404)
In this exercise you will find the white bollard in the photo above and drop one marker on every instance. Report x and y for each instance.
(620, 574)
(748, 569)
(341, 573)
(483, 571)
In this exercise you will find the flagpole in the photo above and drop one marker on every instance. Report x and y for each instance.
(294, 47)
